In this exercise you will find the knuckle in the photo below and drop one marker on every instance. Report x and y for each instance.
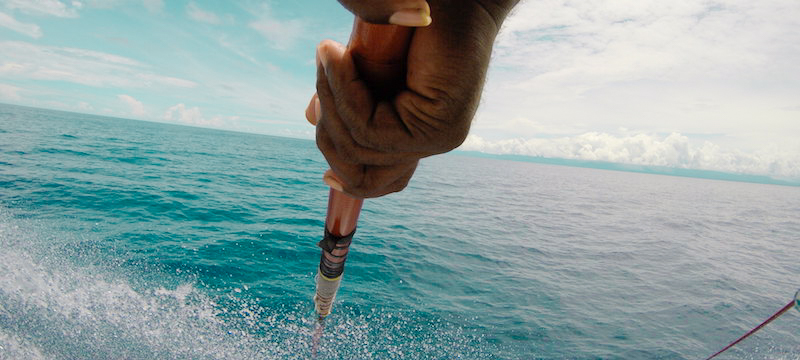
(442, 123)
(324, 144)
(349, 153)
(321, 141)
(399, 185)
(322, 85)
(367, 10)
(371, 184)
(455, 138)
(361, 191)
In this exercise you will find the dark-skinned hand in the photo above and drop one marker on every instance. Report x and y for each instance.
(373, 147)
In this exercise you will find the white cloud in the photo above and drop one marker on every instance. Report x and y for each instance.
(84, 106)
(80, 66)
(193, 116)
(674, 150)
(280, 33)
(9, 92)
(45, 7)
(9, 22)
(180, 113)
(136, 106)
(198, 14)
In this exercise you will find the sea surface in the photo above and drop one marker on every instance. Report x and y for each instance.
(122, 239)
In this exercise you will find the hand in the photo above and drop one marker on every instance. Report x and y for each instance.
(373, 145)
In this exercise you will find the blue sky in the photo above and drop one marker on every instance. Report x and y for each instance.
(246, 66)
(687, 83)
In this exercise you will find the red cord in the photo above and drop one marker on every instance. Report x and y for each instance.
(751, 332)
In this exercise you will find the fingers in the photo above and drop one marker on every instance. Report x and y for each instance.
(391, 180)
(397, 185)
(358, 179)
(332, 180)
(348, 105)
(354, 177)
(369, 124)
(413, 13)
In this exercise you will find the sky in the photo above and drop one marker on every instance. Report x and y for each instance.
(696, 84)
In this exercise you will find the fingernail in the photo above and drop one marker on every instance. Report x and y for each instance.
(317, 110)
(412, 17)
(311, 115)
(333, 183)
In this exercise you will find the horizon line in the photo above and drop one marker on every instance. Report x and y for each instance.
(578, 163)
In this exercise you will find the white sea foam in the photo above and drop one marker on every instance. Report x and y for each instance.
(12, 347)
(49, 306)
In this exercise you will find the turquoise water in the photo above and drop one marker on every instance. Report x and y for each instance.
(135, 240)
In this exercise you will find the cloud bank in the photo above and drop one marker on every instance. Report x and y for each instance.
(673, 150)
(567, 67)
(566, 76)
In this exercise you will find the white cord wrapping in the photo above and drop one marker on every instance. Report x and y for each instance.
(326, 293)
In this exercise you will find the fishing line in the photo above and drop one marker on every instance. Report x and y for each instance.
(795, 303)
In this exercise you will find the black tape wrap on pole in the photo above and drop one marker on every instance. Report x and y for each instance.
(330, 265)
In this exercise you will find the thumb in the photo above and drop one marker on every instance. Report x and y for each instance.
(414, 13)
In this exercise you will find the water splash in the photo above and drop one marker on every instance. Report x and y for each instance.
(53, 307)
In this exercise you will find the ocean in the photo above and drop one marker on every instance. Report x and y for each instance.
(122, 239)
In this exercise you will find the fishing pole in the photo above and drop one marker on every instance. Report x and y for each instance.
(379, 53)
(795, 303)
